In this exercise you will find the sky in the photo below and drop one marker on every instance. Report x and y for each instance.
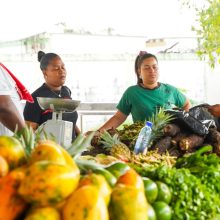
(150, 18)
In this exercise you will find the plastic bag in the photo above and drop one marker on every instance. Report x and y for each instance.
(198, 119)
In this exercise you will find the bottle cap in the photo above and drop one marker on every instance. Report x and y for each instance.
(149, 124)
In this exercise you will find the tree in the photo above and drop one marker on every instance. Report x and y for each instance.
(208, 30)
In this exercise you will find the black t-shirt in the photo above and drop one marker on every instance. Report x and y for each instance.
(34, 113)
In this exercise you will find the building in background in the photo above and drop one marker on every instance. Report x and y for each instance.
(100, 66)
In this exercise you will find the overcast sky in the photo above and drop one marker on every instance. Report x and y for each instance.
(150, 18)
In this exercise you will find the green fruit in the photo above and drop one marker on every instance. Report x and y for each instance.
(164, 193)
(151, 213)
(118, 169)
(162, 210)
(111, 179)
(150, 189)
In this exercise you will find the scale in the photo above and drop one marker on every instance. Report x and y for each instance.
(58, 128)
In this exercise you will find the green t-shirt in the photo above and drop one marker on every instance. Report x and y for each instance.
(142, 103)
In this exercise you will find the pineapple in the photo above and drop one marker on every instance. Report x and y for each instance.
(115, 146)
(129, 133)
(27, 137)
(159, 120)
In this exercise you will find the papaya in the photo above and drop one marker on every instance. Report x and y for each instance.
(47, 183)
(11, 204)
(50, 150)
(118, 168)
(85, 203)
(131, 178)
(4, 167)
(98, 181)
(128, 202)
(43, 213)
(12, 150)
(46, 150)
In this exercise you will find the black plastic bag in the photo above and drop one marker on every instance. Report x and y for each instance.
(198, 119)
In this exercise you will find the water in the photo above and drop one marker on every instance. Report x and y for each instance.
(143, 139)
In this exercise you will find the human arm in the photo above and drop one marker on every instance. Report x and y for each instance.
(32, 124)
(32, 114)
(9, 115)
(77, 130)
(214, 110)
(187, 105)
(115, 121)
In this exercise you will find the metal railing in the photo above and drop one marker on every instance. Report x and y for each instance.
(86, 109)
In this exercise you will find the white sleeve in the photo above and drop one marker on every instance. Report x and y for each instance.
(6, 83)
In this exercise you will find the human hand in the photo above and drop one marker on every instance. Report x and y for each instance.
(97, 133)
(96, 138)
(214, 110)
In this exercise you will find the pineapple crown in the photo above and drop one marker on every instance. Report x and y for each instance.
(159, 120)
(109, 140)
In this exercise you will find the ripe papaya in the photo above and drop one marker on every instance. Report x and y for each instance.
(12, 150)
(46, 213)
(11, 204)
(48, 183)
(131, 178)
(98, 181)
(86, 202)
(128, 202)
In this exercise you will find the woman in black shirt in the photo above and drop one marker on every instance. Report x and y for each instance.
(54, 73)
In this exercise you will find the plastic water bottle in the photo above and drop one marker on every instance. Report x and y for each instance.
(143, 139)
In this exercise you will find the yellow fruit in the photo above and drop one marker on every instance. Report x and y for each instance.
(98, 181)
(128, 202)
(4, 168)
(48, 183)
(12, 150)
(47, 150)
(69, 160)
(50, 150)
(43, 213)
(11, 204)
(86, 203)
(131, 178)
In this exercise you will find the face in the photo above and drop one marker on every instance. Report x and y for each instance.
(148, 71)
(55, 73)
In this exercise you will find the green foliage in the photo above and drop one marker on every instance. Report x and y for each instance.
(208, 32)
(191, 197)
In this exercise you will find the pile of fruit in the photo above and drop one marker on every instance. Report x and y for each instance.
(42, 180)
(100, 178)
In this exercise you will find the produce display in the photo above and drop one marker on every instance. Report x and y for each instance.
(100, 177)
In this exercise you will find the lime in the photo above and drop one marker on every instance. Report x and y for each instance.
(150, 189)
(162, 210)
(151, 213)
(164, 193)
(118, 168)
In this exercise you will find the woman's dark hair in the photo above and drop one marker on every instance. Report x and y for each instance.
(139, 60)
(45, 58)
